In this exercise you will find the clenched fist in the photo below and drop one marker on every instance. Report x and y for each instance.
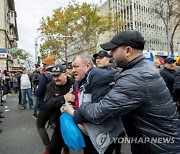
(69, 97)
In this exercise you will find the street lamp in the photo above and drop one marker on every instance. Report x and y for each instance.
(58, 36)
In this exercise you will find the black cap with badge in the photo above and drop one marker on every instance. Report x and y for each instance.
(58, 69)
(169, 60)
(101, 53)
(131, 38)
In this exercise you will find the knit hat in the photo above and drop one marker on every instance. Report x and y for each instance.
(50, 60)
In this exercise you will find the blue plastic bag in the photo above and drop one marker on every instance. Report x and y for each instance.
(71, 134)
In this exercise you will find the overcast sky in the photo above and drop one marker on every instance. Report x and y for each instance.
(29, 14)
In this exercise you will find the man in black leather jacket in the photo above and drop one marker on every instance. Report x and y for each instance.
(57, 92)
(140, 96)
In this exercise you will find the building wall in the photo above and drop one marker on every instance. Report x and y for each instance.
(76, 48)
(105, 9)
(2, 12)
(8, 30)
(138, 15)
(2, 24)
(2, 38)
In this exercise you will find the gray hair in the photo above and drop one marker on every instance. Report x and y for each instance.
(85, 58)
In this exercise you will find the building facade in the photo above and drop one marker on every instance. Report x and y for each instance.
(8, 32)
(139, 15)
(105, 8)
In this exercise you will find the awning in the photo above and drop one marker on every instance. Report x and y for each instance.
(3, 50)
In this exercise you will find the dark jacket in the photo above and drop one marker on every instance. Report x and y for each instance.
(18, 76)
(115, 71)
(54, 97)
(35, 80)
(168, 76)
(143, 100)
(43, 80)
(96, 83)
(93, 87)
(176, 87)
(6, 84)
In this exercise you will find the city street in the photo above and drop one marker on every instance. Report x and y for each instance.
(116, 61)
(19, 135)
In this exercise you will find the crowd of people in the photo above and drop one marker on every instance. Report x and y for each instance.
(170, 72)
(120, 94)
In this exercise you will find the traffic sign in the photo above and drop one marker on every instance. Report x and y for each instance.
(13, 50)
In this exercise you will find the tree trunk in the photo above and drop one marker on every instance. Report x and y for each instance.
(167, 39)
(172, 37)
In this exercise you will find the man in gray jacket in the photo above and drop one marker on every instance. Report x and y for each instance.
(140, 96)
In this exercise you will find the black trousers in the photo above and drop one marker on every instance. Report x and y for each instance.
(57, 141)
(89, 149)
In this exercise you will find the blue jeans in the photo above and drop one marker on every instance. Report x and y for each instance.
(23, 95)
(36, 106)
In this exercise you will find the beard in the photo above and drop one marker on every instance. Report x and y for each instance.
(121, 62)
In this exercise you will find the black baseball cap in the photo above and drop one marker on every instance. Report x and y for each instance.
(101, 53)
(131, 38)
(58, 69)
(168, 60)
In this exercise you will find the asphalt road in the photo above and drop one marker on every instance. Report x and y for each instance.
(19, 135)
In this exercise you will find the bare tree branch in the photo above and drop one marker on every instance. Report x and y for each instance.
(169, 12)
